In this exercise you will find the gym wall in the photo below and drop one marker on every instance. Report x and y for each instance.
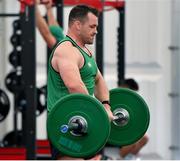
(148, 60)
(148, 35)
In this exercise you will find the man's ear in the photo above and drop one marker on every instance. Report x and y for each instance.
(78, 25)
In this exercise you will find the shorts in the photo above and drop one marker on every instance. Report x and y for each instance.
(55, 153)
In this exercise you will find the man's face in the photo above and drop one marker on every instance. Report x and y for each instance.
(88, 29)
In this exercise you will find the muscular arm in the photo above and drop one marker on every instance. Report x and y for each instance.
(102, 93)
(44, 29)
(66, 61)
(101, 90)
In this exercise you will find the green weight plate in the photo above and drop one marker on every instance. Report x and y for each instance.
(97, 120)
(138, 121)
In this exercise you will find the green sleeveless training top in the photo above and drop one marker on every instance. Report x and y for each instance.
(57, 32)
(55, 85)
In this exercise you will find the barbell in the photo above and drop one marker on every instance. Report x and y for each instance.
(78, 125)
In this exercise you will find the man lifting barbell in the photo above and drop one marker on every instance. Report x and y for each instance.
(72, 68)
(79, 125)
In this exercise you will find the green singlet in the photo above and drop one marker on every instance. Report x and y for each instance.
(55, 85)
(57, 32)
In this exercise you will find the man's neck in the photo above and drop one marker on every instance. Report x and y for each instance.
(78, 42)
(76, 39)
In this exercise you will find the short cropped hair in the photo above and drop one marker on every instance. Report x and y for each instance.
(80, 12)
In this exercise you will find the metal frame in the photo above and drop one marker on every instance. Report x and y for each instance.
(121, 46)
(4, 15)
(60, 14)
(29, 80)
(99, 44)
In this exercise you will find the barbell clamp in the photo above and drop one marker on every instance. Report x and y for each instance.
(121, 117)
(77, 126)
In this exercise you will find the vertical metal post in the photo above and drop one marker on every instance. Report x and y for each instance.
(59, 6)
(121, 46)
(99, 44)
(29, 80)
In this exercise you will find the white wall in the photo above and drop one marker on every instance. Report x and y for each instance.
(148, 36)
(148, 57)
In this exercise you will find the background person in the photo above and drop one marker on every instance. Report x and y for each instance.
(51, 31)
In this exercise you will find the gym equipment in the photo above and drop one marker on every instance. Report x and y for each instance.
(41, 101)
(15, 58)
(13, 153)
(78, 124)
(95, 3)
(43, 150)
(16, 24)
(13, 81)
(134, 112)
(4, 105)
(13, 139)
(16, 39)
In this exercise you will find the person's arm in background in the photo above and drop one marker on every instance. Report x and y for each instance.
(54, 27)
(102, 93)
(44, 28)
(51, 19)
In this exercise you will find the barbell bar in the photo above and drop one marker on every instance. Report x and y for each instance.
(78, 125)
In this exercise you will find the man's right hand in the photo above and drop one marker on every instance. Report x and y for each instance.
(109, 112)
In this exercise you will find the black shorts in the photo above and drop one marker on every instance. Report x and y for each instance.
(55, 153)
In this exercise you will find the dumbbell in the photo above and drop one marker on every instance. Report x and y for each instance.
(78, 125)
